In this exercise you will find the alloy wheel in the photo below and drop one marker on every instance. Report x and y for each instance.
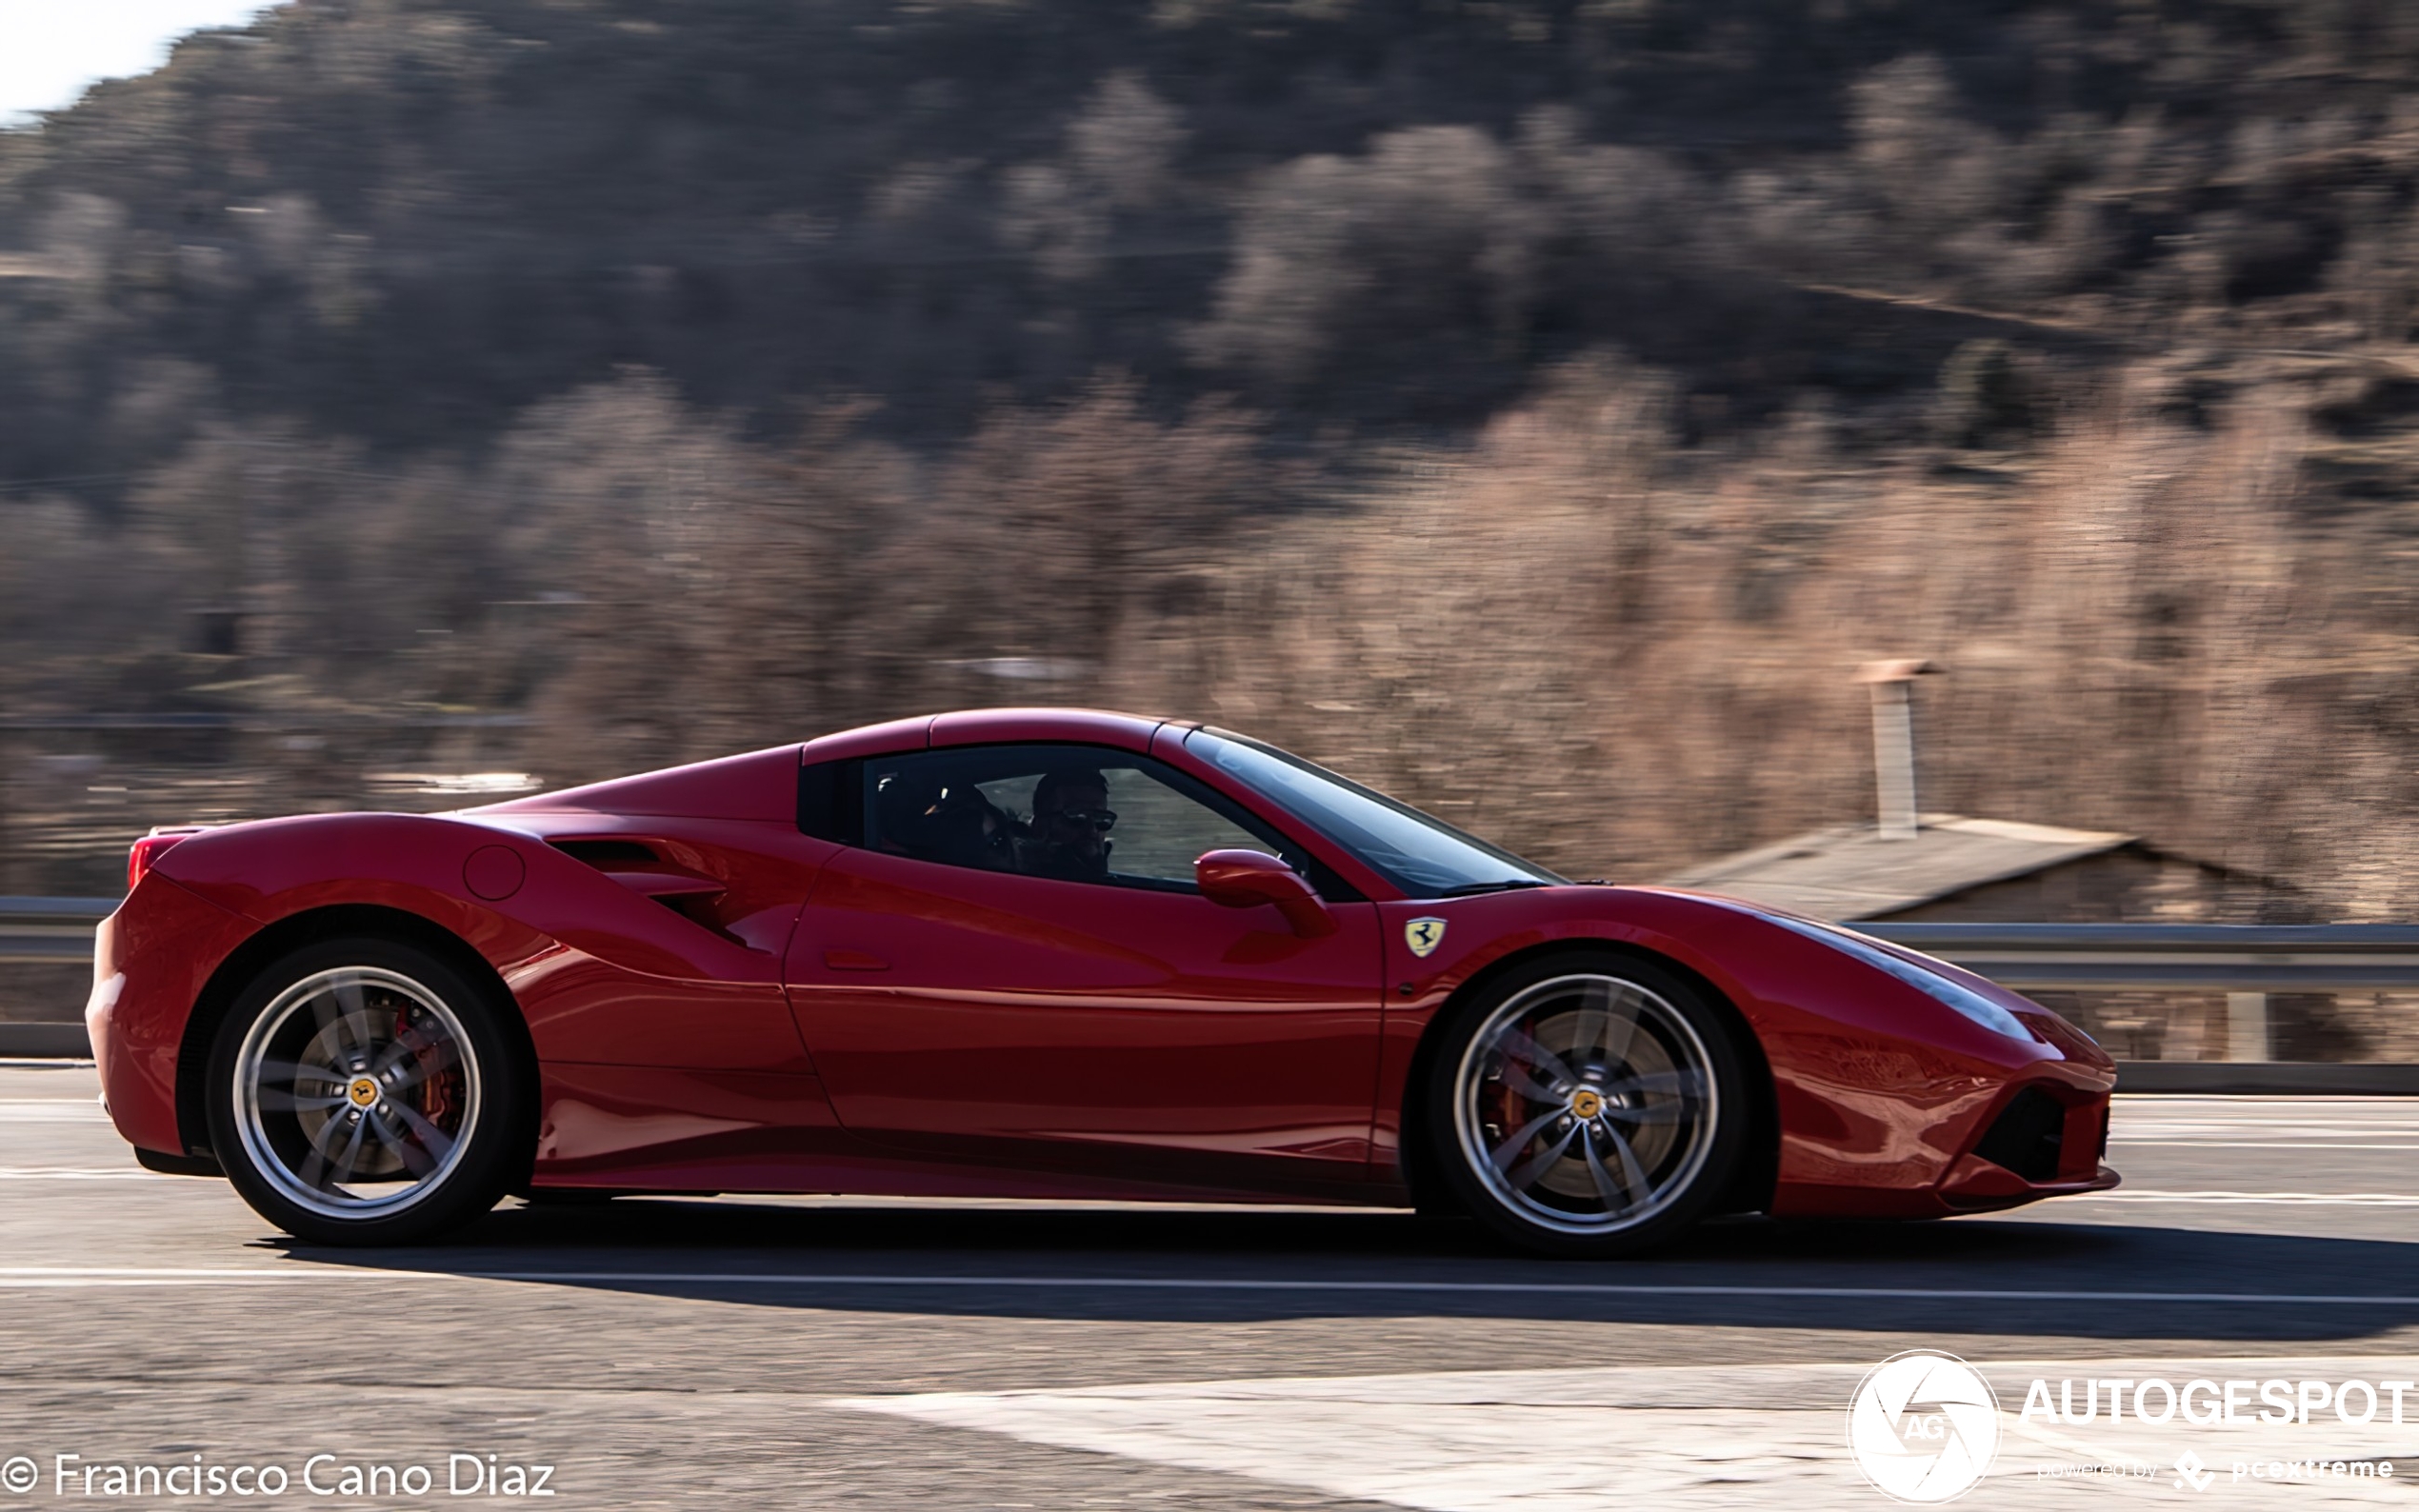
(356, 1094)
(1585, 1104)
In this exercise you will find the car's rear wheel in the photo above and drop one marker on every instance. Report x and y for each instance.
(1589, 1105)
(365, 1091)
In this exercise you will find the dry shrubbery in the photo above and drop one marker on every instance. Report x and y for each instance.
(847, 580)
(1621, 657)
(1614, 653)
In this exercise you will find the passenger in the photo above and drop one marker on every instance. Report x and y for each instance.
(1071, 820)
(968, 830)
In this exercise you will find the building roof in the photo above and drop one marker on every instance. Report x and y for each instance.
(1852, 873)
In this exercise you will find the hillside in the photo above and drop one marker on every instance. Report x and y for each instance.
(1538, 408)
(406, 220)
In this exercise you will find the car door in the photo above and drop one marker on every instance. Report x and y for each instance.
(967, 994)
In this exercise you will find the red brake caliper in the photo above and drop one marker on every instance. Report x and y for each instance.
(440, 1088)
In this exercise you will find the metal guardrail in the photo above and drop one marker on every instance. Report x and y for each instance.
(52, 929)
(2173, 957)
(2026, 957)
(2247, 963)
(56, 931)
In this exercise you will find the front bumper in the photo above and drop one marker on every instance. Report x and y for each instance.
(2043, 1135)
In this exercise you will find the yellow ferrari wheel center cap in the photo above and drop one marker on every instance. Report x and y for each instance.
(1587, 1104)
(362, 1091)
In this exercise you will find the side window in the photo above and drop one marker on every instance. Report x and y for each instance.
(828, 796)
(1076, 813)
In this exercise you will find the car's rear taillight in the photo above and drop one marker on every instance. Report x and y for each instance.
(149, 849)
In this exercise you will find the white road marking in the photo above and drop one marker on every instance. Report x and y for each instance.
(2330, 1145)
(79, 1173)
(1582, 1438)
(51, 1110)
(2403, 1120)
(42, 1275)
(2328, 1134)
(2164, 1100)
(2313, 1117)
(2288, 1199)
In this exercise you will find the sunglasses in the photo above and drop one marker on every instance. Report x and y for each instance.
(1100, 819)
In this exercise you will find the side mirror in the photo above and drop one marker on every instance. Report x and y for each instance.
(1245, 878)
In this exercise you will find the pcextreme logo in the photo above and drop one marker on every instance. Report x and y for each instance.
(1922, 1426)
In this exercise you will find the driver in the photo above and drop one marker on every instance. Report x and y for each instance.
(1071, 820)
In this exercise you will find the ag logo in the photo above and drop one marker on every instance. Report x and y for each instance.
(1424, 936)
(1924, 1426)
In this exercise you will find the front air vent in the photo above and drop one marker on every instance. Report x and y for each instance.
(2027, 1136)
(607, 854)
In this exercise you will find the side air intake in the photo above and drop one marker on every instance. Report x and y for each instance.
(603, 854)
(2027, 1136)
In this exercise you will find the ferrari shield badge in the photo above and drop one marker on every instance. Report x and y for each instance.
(1424, 935)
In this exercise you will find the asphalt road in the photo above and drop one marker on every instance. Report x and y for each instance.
(750, 1353)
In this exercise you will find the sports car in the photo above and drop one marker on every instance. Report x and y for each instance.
(1039, 953)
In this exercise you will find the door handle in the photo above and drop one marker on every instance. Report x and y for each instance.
(853, 961)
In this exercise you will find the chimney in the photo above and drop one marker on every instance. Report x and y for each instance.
(1894, 742)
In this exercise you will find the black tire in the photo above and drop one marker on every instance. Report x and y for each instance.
(367, 1092)
(1666, 1105)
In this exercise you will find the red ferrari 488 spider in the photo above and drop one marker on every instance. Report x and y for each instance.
(1039, 953)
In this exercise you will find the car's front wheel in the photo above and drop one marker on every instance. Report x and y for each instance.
(1589, 1105)
(365, 1091)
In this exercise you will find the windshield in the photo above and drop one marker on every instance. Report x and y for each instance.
(1422, 856)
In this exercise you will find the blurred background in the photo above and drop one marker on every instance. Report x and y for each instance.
(1541, 411)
